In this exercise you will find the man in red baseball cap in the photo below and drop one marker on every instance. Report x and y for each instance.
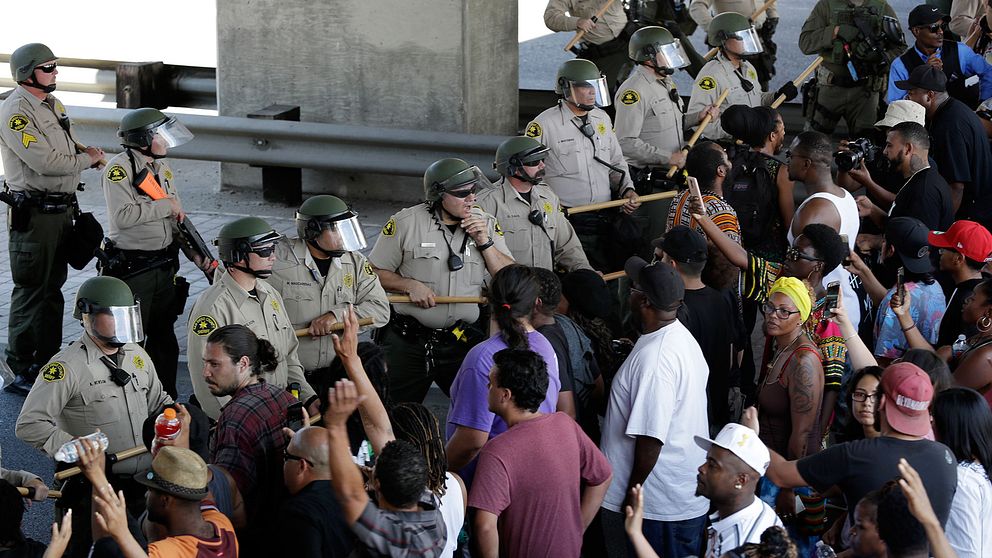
(862, 466)
(964, 249)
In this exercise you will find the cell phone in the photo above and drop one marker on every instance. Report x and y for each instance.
(901, 282)
(833, 291)
(800, 507)
(294, 416)
(694, 191)
(845, 239)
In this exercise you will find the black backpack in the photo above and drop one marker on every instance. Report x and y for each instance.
(752, 191)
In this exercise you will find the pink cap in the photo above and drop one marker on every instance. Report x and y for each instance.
(908, 392)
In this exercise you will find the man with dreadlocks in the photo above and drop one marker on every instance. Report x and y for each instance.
(416, 424)
(445, 247)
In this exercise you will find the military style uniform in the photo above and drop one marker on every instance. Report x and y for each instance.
(41, 163)
(224, 303)
(605, 45)
(307, 294)
(839, 92)
(702, 12)
(552, 245)
(144, 254)
(75, 394)
(577, 177)
(719, 74)
(428, 344)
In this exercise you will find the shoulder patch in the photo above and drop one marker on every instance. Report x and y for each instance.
(389, 229)
(534, 130)
(18, 122)
(629, 97)
(204, 325)
(706, 83)
(116, 173)
(368, 269)
(139, 362)
(54, 372)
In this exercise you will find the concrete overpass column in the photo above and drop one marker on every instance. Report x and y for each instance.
(442, 65)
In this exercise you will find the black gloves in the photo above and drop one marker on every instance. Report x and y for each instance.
(789, 90)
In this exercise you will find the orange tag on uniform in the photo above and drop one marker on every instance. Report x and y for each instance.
(145, 181)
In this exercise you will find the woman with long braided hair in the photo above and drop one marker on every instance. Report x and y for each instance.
(416, 424)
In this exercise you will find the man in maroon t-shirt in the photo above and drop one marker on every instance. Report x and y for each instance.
(534, 515)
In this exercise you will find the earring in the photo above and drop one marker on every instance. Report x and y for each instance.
(738, 486)
(984, 323)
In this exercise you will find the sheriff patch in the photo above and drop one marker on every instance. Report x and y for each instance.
(167, 174)
(139, 362)
(534, 130)
(389, 229)
(275, 304)
(629, 97)
(54, 372)
(706, 83)
(204, 325)
(18, 122)
(116, 173)
(348, 280)
(601, 128)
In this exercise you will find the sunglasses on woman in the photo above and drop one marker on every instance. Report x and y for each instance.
(794, 255)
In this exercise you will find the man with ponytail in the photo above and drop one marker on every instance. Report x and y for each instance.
(248, 441)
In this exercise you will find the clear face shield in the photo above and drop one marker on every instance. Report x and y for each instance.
(750, 43)
(347, 233)
(173, 133)
(671, 56)
(457, 184)
(115, 325)
(588, 93)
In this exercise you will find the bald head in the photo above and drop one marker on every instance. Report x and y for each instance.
(310, 443)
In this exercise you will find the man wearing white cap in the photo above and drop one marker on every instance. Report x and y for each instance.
(735, 461)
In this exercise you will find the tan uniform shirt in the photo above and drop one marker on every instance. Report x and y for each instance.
(307, 295)
(703, 11)
(571, 170)
(15, 477)
(38, 154)
(964, 14)
(414, 244)
(563, 15)
(719, 74)
(75, 394)
(553, 246)
(225, 303)
(649, 123)
(137, 222)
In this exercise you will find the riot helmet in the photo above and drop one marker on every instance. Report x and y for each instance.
(732, 25)
(658, 48)
(109, 311)
(518, 152)
(25, 59)
(140, 127)
(241, 237)
(581, 83)
(325, 212)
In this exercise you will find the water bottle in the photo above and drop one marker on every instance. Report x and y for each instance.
(167, 427)
(68, 454)
(959, 346)
(824, 550)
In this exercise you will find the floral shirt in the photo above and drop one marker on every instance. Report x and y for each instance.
(926, 307)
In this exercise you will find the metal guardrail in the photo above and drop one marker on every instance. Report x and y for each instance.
(279, 143)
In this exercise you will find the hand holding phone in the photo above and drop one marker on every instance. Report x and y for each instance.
(696, 203)
(901, 283)
(294, 416)
(833, 291)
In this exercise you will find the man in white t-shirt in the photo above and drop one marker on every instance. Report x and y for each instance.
(657, 404)
(735, 461)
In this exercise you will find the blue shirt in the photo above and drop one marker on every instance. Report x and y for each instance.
(926, 307)
(971, 65)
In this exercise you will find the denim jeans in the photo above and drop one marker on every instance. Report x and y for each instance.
(670, 539)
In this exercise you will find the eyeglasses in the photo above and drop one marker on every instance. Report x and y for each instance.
(463, 193)
(264, 251)
(861, 396)
(780, 313)
(794, 255)
(286, 456)
(935, 28)
(789, 154)
(47, 68)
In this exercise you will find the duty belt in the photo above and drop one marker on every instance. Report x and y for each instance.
(409, 327)
(47, 202)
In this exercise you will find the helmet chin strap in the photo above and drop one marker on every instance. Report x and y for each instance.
(32, 83)
(258, 274)
(530, 179)
(583, 107)
(328, 253)
(147, 152)
(660, 71)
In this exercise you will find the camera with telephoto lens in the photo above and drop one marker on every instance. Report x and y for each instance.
(861, 149)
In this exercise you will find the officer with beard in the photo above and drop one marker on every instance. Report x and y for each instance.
(534, 226)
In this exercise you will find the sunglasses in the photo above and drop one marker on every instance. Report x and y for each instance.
(264, 251)
(47, 68)
(935, 28)
(794, 255)
(780, 313)
(464, 193)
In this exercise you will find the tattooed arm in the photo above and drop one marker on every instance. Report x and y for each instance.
(805, 375)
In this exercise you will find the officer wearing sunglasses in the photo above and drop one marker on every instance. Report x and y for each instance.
(447, 246)
(241, 295)
(969, 76)
(42, 166)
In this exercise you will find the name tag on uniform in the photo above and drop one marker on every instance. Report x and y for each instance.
(428, 245)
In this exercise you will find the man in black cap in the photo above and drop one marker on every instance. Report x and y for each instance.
(969, 76)
(959, 144)
(657, 405)
(710, 316)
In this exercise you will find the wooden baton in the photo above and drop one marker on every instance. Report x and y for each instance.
(614, 275)
(699, 130)
(83, 148)
(618, 203)
(29, 492)
(802, 77)
(404, 299)
(336, 326)
(112, 458)
(578, 36)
